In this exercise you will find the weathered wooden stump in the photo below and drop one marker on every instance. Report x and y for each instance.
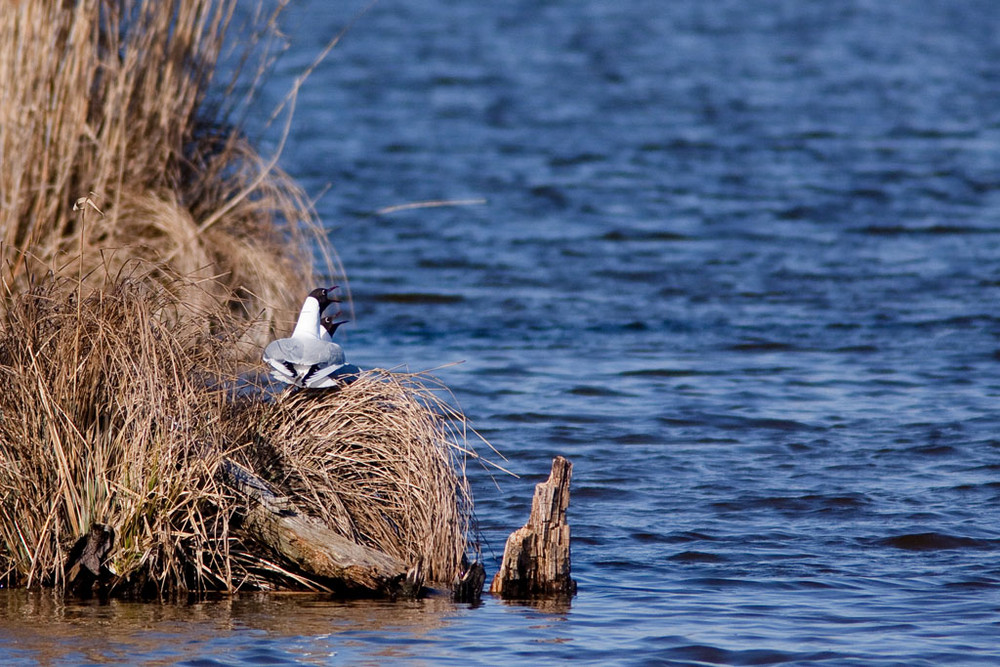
(86, 564)
(468, 583)
(273, 521)
(536, 559)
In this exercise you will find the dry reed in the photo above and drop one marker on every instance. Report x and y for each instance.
(118, 410)
(376, 461)
(111, 97)
(124, 324)
(107, 419)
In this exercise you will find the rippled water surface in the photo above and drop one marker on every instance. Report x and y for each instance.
(738, 261)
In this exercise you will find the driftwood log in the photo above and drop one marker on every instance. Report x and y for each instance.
(274, 522)
(536, 559)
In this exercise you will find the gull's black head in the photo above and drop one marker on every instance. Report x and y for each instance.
(325, 296)
(330, 323)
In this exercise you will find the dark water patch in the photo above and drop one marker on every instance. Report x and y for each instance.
(551, 197)
(724, 583)
(975, 584)
(452, 263)
(927, 132)
(608, 489)
(739, 423)
(633, 276)
(934, 449)
(689, 536)
(680, 423)
(577, 159)
(813, 585)
(970, 488)
(678, 144)
(614, 564)
(638, 439)
(674, 292)
(934, 541)
(621, 235)
(570, 433)
(422, 298)
(647, 537)
(889, 383)
(766, 371)
(697, 557)
(634, 325)
(595, 392)
(856, 349)
(669, 373)
(511, 371)
(543, 418)
(800, 212)
(769, 295)
(870, 194)
(811, 503)
(972, 321)
(701, 654)
(762, 346)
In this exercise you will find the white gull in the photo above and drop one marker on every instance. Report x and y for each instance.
(309, 358)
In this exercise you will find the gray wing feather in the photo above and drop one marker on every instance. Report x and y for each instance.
(305, 352)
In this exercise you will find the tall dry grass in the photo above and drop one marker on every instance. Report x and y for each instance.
(377, 461)
(147, 252)
(106, 418)
(118, 410)
(111, 99)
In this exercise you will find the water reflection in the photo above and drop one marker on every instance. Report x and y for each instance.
(556, 606)
(44, 628)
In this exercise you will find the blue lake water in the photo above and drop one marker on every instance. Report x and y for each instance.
(738, 261)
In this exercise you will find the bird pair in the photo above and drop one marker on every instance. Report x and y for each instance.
(309, 358)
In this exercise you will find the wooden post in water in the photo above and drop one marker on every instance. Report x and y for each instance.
(536, 559)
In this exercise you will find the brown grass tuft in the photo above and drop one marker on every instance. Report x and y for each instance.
(118, 408)
(107, 418)
(376, 460)
(110, 98)
(124, 319)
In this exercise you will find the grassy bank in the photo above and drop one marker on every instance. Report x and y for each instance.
(148, 252)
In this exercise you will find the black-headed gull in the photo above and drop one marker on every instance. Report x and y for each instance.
(309, 358)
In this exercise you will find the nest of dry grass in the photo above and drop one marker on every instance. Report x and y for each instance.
(378, 461)
(118, 410)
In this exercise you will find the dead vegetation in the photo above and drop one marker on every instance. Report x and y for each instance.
(105, 420)
(118, 410)
(130, 316)
(113, 98)
(374, 460)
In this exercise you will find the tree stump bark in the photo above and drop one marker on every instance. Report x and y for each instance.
(536, 559)
(86, 565)
(468, 583)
